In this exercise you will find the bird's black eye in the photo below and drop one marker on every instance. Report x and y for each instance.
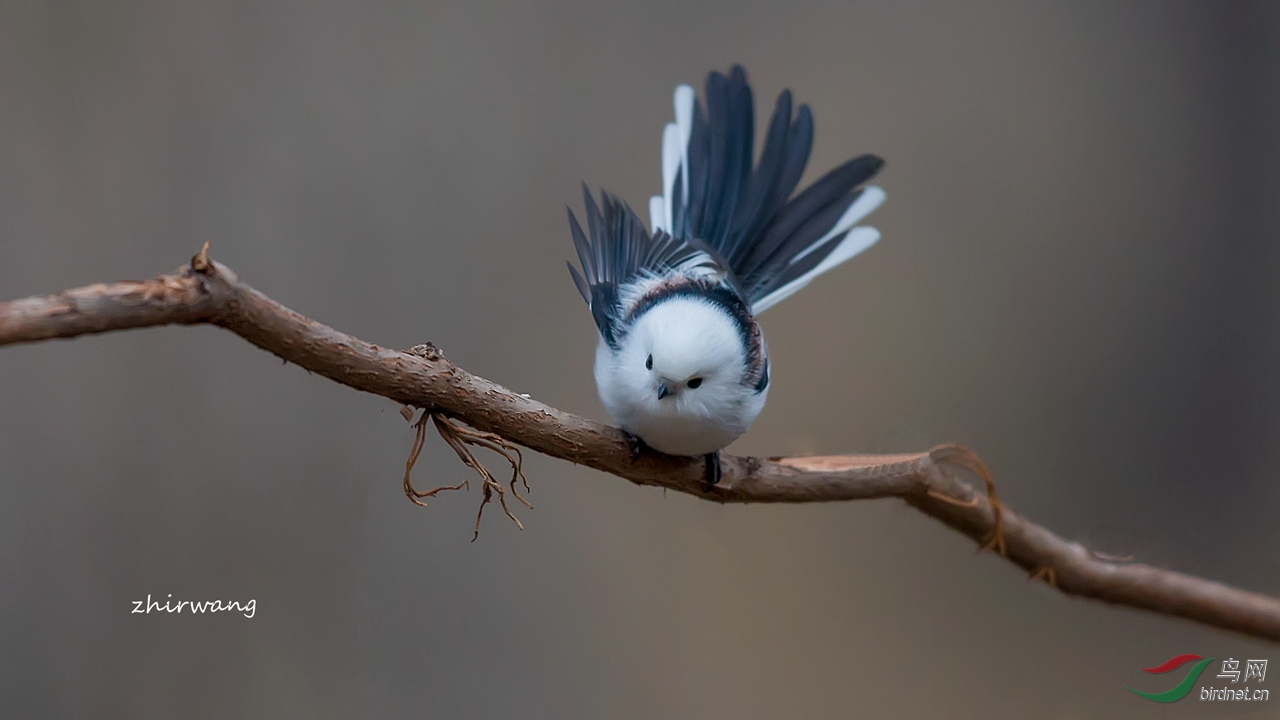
(648, 364)
(694, 383)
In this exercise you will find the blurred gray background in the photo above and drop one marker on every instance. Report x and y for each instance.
(1076, 278)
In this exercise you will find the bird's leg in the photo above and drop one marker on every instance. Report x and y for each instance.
(637, 446)
(713, 469)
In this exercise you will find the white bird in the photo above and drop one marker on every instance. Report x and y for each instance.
(681, 364)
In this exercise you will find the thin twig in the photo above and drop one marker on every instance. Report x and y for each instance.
(419, 440)
(205, 291)
(459, 438)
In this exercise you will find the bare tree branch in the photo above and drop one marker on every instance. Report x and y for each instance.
(210, 293)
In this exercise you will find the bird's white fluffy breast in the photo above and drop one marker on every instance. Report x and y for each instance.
(687, 337)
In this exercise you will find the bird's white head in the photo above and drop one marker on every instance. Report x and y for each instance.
(685, 354)
(688, 375)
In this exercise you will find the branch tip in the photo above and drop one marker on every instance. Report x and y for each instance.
(200, 261)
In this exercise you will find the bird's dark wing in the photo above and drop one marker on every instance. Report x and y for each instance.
(772, 243)
(616, 251)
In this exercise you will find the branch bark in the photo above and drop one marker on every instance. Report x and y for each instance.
(207, 292)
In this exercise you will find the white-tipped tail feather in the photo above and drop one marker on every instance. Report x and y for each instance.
(684, 101)
(855, 242)
(870, 199)
(657, 213)
(858, 239)
(675, 160)
(672, 152)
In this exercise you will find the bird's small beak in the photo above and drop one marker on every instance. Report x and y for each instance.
(663, 391)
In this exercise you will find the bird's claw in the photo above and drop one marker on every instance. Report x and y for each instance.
(637, 446)
(713, 470)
